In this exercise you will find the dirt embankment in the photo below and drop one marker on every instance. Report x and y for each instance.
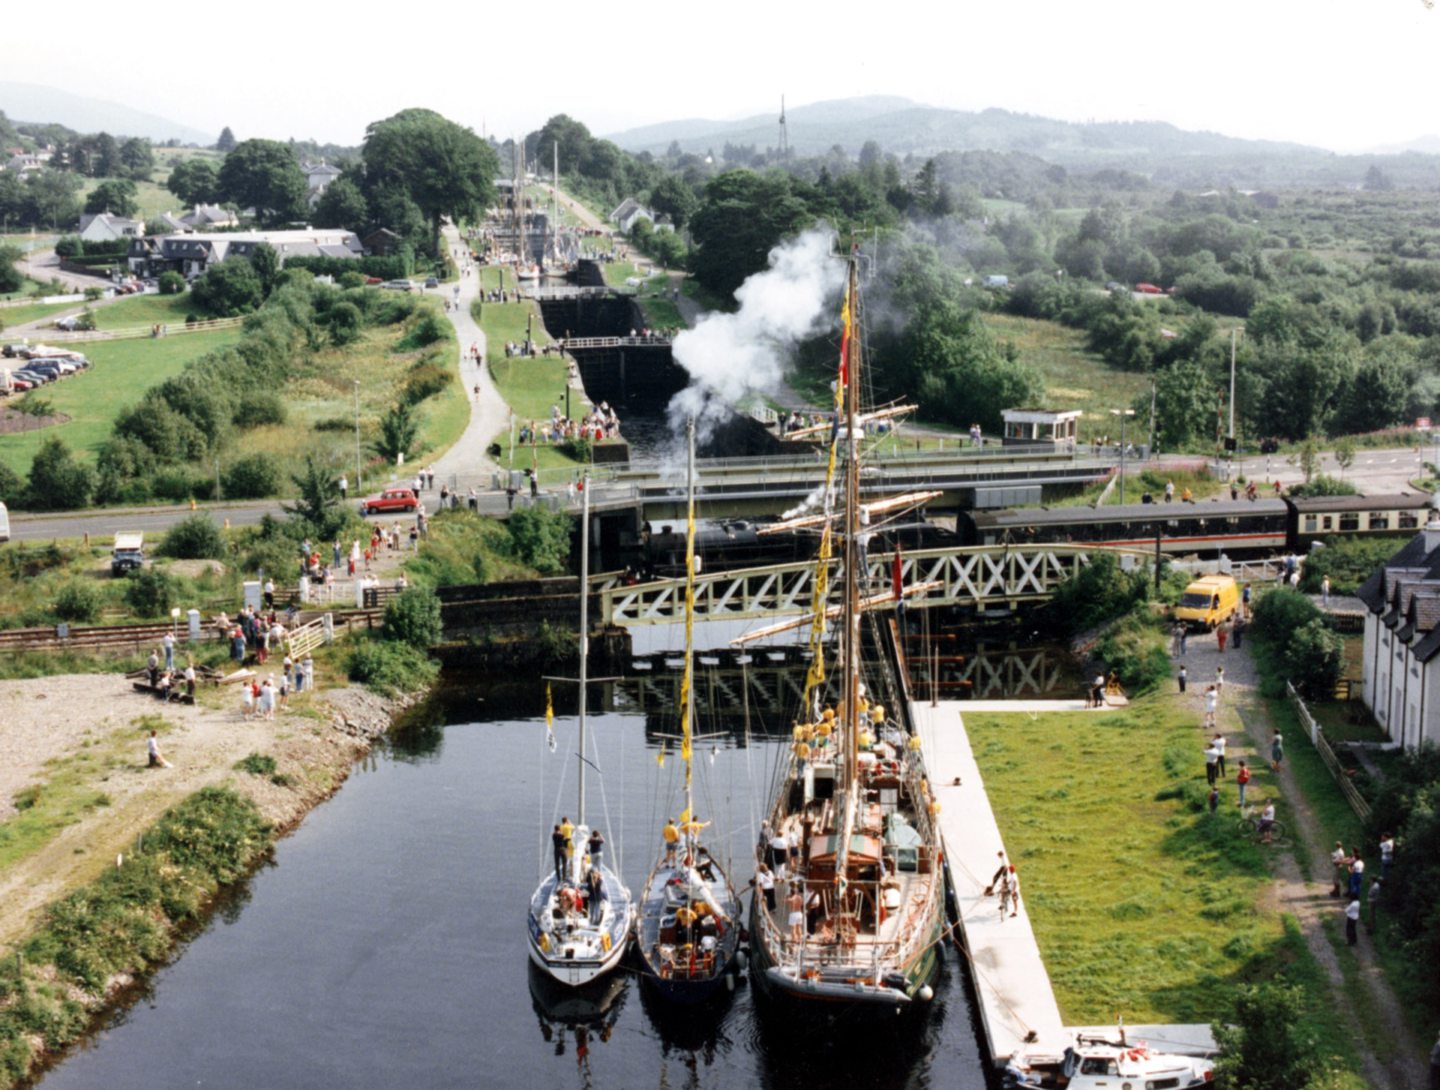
(73, 754)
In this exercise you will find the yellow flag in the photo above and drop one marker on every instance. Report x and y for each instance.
(684, 818)
(549, 719)
(660, 757)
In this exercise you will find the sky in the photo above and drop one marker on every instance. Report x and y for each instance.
(1342, 74)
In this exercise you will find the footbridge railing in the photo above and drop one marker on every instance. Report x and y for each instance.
(986, 576)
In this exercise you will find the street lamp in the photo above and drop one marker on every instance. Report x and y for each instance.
(1123, 414)
(359, 487)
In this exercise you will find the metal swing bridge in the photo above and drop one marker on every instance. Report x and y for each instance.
(984, 577)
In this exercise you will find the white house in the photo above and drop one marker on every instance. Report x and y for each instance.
(1402, 641)
(317, 177)
(103, 227)
(629, 212)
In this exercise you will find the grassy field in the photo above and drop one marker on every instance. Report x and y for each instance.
(121, 371)
(144, 310)
(1144, 904)
(152, 197)
(1074, 377)
(32, 312)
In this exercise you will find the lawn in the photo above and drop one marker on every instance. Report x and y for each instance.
(152, 198)
(120, 372)
(32, 312)
(1074, 377)
(1144, 904)
(145, 310)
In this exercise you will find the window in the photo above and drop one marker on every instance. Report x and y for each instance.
(1408, 520)
(1310, 524)
(1350, 520)
(1327, 522)
(1379, 520)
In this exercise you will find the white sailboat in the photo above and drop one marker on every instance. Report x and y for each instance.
(688, 928)
(581, 913)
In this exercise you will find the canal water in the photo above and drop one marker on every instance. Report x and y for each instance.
(384, 945)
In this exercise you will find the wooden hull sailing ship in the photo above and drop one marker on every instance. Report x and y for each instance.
(848, 915)
(688, 928)
(581, 913)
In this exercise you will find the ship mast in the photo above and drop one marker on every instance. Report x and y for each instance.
(584, 629)
(850, 724)
(687, 683)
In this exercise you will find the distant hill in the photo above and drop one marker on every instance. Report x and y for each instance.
(1428, 144)
(46, 105)
(1155, 148)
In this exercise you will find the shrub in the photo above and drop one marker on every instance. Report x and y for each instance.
(11, 486)
(259, 408)
(413, 617)
(252, 478)
(389, 666)
(151, 593)
(351, 279)
(178, 483)
(1280, 612)
(334, 423)
(426, 330)
(257, 764)
(194, 538)
(1101, 592)
(1315, 659)
(57, 481)
(541, 538)
(426, 379)
(345, 323)
(1262, 1046)
(78, 600)
(1321, 485)
(578, 449)
(1135, 650)
(172, 283)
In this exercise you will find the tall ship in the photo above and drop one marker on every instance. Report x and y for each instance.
(848, 915)
(687, 932)
(581, 912)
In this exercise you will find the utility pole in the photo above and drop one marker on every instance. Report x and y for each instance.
(1150, 446)
(1124, 415)
(784, 134)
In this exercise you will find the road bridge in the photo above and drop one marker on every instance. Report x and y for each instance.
(994, 577)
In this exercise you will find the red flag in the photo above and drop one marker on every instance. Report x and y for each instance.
(845, 340)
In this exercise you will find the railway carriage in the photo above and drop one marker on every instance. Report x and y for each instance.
(1315, 518)
(1181, 528)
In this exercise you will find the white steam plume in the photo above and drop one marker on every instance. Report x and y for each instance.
(731, 356)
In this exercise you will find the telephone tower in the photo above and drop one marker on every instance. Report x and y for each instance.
(784, 135)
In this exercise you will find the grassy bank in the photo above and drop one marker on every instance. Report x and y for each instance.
(122, 923)
(1144, 904)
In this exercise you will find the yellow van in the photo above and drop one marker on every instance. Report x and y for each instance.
(1208, 602)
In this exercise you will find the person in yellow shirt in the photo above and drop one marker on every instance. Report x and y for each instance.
(694, 825)
(568, 832)
(824, 730)
(671, 836)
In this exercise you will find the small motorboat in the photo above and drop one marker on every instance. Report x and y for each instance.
(1095, 1062)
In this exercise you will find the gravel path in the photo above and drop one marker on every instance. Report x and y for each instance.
(1398, 1061)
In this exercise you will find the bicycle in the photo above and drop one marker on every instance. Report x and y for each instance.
(1249, 826)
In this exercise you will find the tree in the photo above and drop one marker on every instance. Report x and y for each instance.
(228, 289)
(345, 323)
(105, 163)
(226, 143)
(1378, 395)
(114, 195)
(266, 263)
(137, 158)
(10, 278)
(398, 429)
(194, 181)
(52, 197)
(57, 481)
(1185, 401)
(1261, 1044)
(672, 197)
(194, 538)
(342, 205)
(445, 169)
(318, 505)
(743, 217)
(1315, 659)
(1344, 454)
(263, 174)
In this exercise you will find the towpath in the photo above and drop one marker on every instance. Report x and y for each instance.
(1396, 1060)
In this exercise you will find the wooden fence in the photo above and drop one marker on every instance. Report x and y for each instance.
(137, 637)
(138, 332)
(1327, 754)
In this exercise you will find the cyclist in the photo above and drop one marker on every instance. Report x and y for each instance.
(1267, 821)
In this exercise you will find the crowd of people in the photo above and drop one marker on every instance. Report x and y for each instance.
(599, 424)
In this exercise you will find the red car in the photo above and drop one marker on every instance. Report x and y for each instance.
(392, 499)
(1149, 289)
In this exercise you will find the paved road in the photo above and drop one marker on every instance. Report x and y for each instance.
(101, 525)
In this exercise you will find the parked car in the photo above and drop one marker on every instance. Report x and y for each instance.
(398, 285)
(20, 385)
(392, 499)
(432, 282)
(37, 378)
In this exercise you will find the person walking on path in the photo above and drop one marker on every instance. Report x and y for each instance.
(169, 644)
(1177, 640)
(1387, 854)
(1003, 891)
(1242, 780)
(1184, 638)
(1357, 877)
(1277, 752)
(1182, 678)
(1210, 701)
(1222, 633)
(1238, 631)
(1219, 743)
(1219, 681)
(1352, 921)
(1212, 760)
